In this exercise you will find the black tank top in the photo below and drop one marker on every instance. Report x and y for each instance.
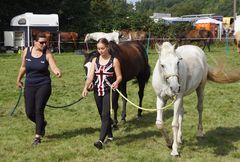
(37, 72)
(104, 77)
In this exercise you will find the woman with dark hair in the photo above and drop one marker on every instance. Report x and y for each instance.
(105, 73)
(37, 89)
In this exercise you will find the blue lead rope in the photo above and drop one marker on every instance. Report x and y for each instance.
(50, 106)
(20, 95)
(65, 105)
(226, 43)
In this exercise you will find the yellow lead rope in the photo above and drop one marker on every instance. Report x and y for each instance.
(111, 109)
(146, 109)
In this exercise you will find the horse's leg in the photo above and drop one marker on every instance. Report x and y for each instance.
(141, 84)
(208, 43)
(200, 95)
(238, 47)
(175, 125)
(180, 119)
(115, 108)
(159, 121)
(75, 44)
(124, 102)
(204, 44)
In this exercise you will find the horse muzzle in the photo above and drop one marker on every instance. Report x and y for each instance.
(175, 89)
(174, 85)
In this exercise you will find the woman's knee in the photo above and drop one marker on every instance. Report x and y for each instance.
(30, 115)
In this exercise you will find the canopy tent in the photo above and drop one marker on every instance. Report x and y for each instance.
(171, 20)
(212, 21)
(28, 21)
(237, 24)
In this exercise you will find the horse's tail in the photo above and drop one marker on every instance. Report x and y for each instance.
(218, 75)
(147, 68)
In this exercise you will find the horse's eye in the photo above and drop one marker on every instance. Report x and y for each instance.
(162, 66)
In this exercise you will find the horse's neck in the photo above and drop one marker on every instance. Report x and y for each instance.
(116, 34)
(159, 83)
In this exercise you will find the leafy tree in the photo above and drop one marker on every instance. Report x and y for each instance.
(98, 15)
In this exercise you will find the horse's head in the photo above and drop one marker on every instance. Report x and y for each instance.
(169, 64)
(124, 34)
(88, 61)
(87, 37)
(87, 65)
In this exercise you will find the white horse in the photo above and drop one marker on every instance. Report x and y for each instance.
(97, 35)
(178, 73)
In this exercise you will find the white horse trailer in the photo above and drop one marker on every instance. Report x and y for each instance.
(13, 40)
(22, 26)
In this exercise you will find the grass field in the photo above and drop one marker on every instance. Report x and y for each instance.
(70, 132)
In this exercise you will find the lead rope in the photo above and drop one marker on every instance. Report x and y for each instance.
(146, 109)
(50, 106)
(111, 109)
(19, 97)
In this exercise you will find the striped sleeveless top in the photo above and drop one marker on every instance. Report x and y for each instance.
(104, 77)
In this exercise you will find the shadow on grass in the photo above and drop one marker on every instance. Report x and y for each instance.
(147, 119)
(221, 140)
(73, 133)
(139, 136)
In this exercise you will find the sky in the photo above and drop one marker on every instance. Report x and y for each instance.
(132, 1)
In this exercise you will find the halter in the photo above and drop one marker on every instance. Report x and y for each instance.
(166, 76)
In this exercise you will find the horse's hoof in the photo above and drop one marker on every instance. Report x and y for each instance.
(115, 127)
(159, 125)
(199, 138)
(139, 117)
(169, 145)
(200, 135)
(123, 121)
(175, 154)
(179, 141)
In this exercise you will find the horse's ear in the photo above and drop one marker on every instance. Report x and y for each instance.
(158, 48)
(175, 46)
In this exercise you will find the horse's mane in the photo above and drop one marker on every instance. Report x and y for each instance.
(114, 49)
(145, 57)
(167, 48)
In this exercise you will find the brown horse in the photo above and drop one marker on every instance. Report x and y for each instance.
(204, 36)
(69, 37)
(47, 34)
(133, 35)
(134, 64)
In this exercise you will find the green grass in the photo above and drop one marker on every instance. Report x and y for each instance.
(70, 132)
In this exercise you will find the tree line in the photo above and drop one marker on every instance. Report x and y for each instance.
(105, 15)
